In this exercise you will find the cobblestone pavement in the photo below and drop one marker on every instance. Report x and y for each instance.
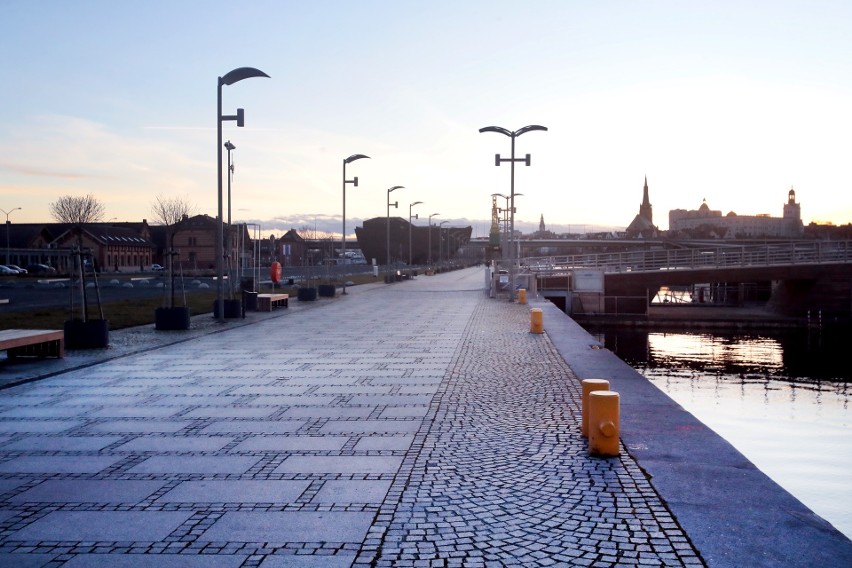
(417, 424)
(499, 474)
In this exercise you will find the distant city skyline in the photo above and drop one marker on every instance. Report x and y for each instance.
(735, 102)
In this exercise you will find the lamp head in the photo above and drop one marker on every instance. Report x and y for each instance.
(395, 188)
(229, 146)
(416, 203)
(239, 74)
(530, 128)
(354, 157)
(497, 129)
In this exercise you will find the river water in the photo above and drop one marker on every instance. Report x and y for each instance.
(781, 398)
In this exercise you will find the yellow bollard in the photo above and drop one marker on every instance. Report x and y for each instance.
(522, 295)
(603, 423)
(590, 385)
(536, 320)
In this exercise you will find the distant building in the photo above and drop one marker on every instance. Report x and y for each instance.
(642, 225)
(707, 223)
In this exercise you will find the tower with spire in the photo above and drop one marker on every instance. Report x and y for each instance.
(643, 224)
(645, 210)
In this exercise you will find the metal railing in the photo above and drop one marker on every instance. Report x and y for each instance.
(770, 254)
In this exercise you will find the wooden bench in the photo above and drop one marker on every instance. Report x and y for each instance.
(32, 342)
(265, 302)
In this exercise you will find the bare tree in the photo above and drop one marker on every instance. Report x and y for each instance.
(170, 211)
(77, 211)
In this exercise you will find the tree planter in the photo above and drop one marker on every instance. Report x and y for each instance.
(327, 290)
(307, 294)
(91, 334)
(233, 309)
(171, 318)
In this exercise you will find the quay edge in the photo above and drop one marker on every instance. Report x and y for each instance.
(734, 514)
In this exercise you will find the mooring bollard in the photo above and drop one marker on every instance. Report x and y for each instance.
(522, 295)
(536, 321)
(590, 385)
(603, 423)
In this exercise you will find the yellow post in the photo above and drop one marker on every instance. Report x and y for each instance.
(590, 385)
(603, 423)
(522, 295)
(536, 320)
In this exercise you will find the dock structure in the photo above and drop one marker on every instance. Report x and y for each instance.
(418, 423)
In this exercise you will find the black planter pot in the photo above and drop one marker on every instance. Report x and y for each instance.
(307, 294)
(92, 334)
(327, 290)
(171, 318)
(233, 309)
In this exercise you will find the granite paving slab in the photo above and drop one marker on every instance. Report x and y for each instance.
(89, 491)
(301, 526)
(236, 491)
(128, 526)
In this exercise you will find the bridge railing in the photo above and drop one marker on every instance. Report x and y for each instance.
(769, 254)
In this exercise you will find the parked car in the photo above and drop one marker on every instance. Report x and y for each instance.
(40, 269)
(6, 271)
(157, 267)
(18, 268)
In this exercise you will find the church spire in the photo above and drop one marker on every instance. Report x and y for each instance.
(645, 209)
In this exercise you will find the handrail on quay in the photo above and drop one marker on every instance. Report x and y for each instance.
(769, 254)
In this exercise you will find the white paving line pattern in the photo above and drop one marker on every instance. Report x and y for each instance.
(403, 426)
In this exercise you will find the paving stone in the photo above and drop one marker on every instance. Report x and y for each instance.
(175, 444)
(291, 443)
(58, 464)
(290, 527)
(340, 464)
(61, 443)
(235, 491)
(89, 491)
(352, 491)
(102, 526)
(195, 464)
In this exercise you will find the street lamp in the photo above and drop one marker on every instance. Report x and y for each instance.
(354, 183)
(441, 243)
(8, 259)
(497, 161)
(229, 147)
(387, 226)
(430, 238)
(410, 258)
(505, 211)
(230, 78)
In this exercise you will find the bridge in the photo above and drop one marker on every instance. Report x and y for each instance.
(798, 275)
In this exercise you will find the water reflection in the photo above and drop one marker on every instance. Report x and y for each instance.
(781, 399)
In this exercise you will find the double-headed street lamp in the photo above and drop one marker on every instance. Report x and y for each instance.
(430, 238)
(229, 78)
(354, 182)
(410, 258)
(497, 161)
(7, 213)
(387, 221)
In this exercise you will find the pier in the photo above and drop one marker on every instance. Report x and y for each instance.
(412, 424)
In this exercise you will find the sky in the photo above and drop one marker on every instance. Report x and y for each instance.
(732, 101)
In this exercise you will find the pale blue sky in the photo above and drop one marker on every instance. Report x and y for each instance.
(732, 101)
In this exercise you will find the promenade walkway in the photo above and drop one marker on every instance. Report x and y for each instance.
(415, 424)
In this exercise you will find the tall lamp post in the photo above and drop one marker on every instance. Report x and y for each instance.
(430, 238)
(441, 243)
(410, 257)
(229, 78)
(354, 182)
(497, 161)
(229, 146)
(506, 216)
(7, 213)
(387, 226)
